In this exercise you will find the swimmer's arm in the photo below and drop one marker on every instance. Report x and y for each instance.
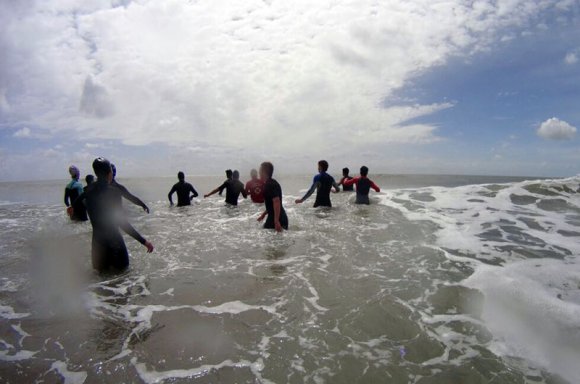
(244, 193)
(336, 186)
(262, 215)
(350, 182)
(277, 205)
(315, 185)
(66, 197)
(129, 230)
(132, 198)
(218, 189)
(192, 190)
(375, 187)
(170, 195)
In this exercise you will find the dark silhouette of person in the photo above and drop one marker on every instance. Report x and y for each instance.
(109, 252)
(233, 189)
(276, 215)
(183, 190)
(322, 184)
(346, 177)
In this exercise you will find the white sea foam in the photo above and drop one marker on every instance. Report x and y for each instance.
(69, 376)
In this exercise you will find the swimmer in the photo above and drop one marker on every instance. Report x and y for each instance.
(277, 218)
(183, 190)
(345, 177)
(255, 188)
(323, 184)
(72, 192)
(363, 186)
(233, 189)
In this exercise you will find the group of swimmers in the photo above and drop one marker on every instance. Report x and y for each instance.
(101, 202)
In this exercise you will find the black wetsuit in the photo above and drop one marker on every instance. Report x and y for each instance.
(233, 189)
(322, 183)
(109, 252)
(272, 190)
(183, 189)
(129, 196)
(71, 195)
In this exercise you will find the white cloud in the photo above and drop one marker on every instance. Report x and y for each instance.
(22, 133)
(571, 58)
(274, 76)
(556, 129)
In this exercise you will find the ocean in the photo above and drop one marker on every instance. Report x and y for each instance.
(443, 279)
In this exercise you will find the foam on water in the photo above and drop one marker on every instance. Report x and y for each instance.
(427, 286)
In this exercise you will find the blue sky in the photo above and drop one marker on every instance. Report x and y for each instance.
(478, 87)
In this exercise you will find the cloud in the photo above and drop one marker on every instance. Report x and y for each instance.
(571, 58)
(22, 133)
(279, 75)
(556, 129)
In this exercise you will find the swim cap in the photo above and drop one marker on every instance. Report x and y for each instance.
(101, 166)
(236, 175)
(74, 172)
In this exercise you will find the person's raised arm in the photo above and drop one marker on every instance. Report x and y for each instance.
(350, 182)
(170, 195)
(132, 198)
(218, 189)
(375, 187)
(315, 184)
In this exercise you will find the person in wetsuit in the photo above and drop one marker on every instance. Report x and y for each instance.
(89, 179)
(255, 188)
(109, 253)
(322, 184)
(183, 190)
(233, 189)
(363, 186)
(346, 177)
(228, 177)
(277, 218)
(71, 193)
(125, 192)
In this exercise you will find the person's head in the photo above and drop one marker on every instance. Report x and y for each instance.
(74, 172)
(364, 171)
(102, 168)
(114, 169)
(236, 175)
(229, 173)
(323, 166)
(345, 172)
(254, 174)
(266, 170)
(89, 179)
(180, 176)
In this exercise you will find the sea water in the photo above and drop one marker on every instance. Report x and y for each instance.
(443, 279)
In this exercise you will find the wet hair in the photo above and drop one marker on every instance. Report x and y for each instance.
(102, 167)
(229, 173)
(364, 171)
(324, 165)
(236, 175)
(180, 175)
(114, 169)
(268, 168)
(89, 179)
(345, 171)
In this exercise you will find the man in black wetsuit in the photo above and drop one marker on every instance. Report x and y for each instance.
(228, 177)
(125, 192)
(345, 177)
(233, 189)
(109, 253)
(277, 218)
(183, 190)
(322, 184)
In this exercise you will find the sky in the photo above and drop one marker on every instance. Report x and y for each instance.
(402, 86)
